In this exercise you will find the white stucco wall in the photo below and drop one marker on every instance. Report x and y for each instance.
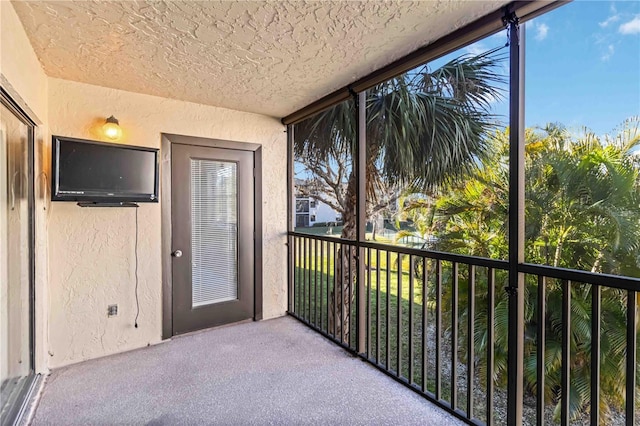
(23, 78)
(92, 249)
(324, 212)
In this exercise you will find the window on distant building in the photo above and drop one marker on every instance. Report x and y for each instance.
(302, 206)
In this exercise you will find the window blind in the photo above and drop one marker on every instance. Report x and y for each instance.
(214, 231)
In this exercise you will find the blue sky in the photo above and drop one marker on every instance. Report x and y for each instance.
(582, 65)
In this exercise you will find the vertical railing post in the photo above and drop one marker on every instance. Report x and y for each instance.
(336, 282)
(491, 303)
(368, 282)
(565, 369)
(630, 403)
(425, 363)
(387, 355)
(471, 313)
(515, 288)
(410, 329)
(596, 312)
(290, 219)
(361, 220)
(454, 335)
(378, 284)
(308, 278)
(540, 349)
(399, 316)
(438, 361)
(323, 284)
(315, 282)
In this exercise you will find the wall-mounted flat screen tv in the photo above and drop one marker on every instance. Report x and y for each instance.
(90, 171)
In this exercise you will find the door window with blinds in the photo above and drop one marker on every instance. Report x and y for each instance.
(214, 231)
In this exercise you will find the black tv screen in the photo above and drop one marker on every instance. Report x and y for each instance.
(103, 172)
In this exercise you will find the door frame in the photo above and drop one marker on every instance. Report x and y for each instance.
(165, 201)
(15, 108)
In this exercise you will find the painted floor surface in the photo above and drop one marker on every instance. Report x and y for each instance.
(275, 372)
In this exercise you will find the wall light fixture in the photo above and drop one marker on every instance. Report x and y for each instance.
(111, 128)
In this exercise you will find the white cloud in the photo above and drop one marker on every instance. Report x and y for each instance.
(610, 20)
(476, 49)
(609, 53)
(541, 31)
(631, 27)
(600, 38)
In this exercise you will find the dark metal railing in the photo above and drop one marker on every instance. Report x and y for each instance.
(436, 323)
(593, 285)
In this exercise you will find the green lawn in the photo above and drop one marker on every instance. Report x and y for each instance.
(328, 231)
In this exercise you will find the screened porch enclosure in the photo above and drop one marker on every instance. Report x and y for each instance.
(461, 242)
(481, 261)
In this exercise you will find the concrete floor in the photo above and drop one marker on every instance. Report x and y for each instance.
(271, 372)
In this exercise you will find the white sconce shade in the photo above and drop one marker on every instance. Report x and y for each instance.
(111, 128)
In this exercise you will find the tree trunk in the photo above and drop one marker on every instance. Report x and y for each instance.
(596, 264)
(563, 236)
(342, 293)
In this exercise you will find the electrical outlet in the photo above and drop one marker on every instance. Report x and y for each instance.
(112, 310)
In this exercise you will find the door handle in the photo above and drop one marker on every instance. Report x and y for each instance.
(177, 253)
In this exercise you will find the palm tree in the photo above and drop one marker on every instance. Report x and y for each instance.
(584, 200)
(424, 128)
(582, 212)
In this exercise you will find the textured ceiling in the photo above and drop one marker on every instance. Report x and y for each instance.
(268, 57)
